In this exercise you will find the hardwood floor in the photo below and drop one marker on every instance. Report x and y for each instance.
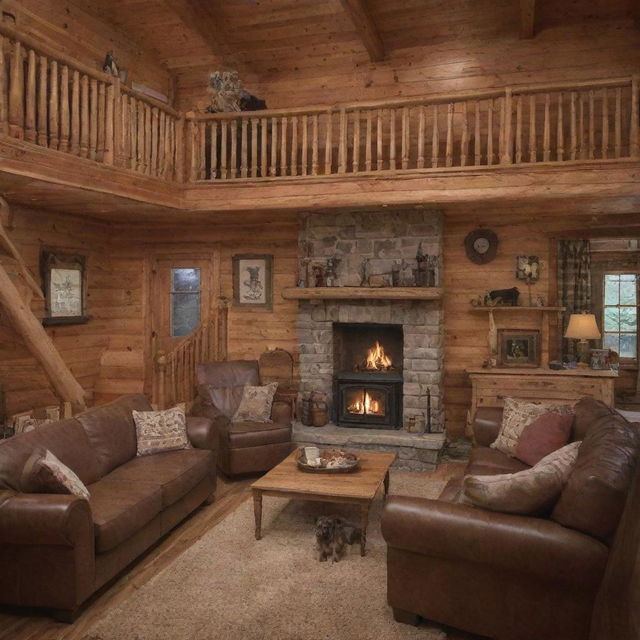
(26, 625)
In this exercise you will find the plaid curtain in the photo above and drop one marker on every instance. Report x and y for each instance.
(574, 284)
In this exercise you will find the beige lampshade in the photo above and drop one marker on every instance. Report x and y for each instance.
(582, 326)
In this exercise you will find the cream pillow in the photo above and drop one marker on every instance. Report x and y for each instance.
(517, 415)
(527, 492)
(44, 473)
(158, 431)
(256, 403)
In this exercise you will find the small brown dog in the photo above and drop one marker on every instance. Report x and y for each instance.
(333, 534)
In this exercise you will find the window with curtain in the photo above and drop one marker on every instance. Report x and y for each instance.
(185, 301)
(620, 314)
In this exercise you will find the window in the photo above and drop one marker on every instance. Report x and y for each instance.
(185, 301)
(621, 314)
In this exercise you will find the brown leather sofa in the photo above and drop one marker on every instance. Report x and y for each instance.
(513, 577)
(245, 447)
(56, 550)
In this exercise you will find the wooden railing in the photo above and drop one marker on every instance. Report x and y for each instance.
(175, 372)
(51, 100)
(56, 102)
(537, 124)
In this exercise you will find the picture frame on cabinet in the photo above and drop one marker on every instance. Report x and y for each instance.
(518, 348)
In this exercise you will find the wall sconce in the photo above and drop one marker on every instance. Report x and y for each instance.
(528, 270)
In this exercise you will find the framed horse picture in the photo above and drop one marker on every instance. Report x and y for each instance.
(253, 281)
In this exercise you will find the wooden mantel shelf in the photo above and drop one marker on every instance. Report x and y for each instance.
(362, 293)
(544, 371)
(509, 308)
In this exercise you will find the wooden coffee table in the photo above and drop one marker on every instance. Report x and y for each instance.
(358, 487)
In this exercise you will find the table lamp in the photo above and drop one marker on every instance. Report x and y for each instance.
(582, 327)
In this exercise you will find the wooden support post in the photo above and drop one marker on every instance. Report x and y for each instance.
(161, 368)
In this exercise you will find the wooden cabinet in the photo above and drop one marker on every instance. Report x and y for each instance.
(491, 386)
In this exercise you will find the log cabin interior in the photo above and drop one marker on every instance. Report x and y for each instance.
(248, 244)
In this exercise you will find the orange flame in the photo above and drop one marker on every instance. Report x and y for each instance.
(368, 406)
(377, 359)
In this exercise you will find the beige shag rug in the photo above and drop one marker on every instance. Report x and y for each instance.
(229, 586)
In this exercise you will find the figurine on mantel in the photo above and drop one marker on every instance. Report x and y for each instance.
(330, 274)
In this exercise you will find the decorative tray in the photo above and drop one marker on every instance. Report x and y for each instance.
(330, 461)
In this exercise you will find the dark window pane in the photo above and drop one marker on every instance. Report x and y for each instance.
(611, 319)
(627, 345)
(611, 341)
(185, 279)
(185, 313)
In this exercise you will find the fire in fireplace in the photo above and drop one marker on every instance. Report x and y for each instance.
(367, 380)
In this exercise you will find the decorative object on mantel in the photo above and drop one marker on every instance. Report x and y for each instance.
(331, 271)
(318, 275)
(518, 348)
(528, 270)
(508, 297)
(363, 293)
(65, 280)
(253, 281)
(481, 246)
(582, 327)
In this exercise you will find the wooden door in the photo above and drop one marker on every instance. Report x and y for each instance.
(181, 299)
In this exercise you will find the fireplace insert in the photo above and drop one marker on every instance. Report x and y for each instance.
(367, 381)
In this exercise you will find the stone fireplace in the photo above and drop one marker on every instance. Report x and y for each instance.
(339, 339)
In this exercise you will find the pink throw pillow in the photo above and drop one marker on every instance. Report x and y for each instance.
(546, 434)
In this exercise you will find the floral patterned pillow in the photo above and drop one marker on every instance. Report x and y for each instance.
(517, 415)
(256, 403)
(44, 473)
(161, 430)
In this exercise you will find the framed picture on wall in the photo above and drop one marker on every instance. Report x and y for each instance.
(518, 348)
(253, 281)
(64, 280)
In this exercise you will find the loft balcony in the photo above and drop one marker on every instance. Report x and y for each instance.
(65, 123)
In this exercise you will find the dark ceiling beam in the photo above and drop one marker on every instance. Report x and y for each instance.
(198, 16)
(527, 18)
(366, 28)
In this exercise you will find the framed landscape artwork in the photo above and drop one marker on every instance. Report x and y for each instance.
(253, 281)
(64, 279)
(518, 348)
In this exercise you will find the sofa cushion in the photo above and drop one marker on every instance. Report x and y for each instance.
(484, 461)
(256, 403)
(255, 434)
(176, 472)
(546, 434)
(527, 492)
(66, 439)
(594, 498)
(159, 431)
(44, 473)
(111, 431)
(120, 508)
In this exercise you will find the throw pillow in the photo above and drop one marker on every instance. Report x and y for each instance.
(158, 431)
(44, 473)
(529, 492)
(546, 434)
(595, 496)
(519, 414)
(256, 403)
(225, 399)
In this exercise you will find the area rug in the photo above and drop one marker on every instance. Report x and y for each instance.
(229, 586)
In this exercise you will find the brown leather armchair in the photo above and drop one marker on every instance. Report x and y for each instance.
(244, 447)
(506, 576)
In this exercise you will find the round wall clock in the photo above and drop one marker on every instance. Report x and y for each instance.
(481, 246)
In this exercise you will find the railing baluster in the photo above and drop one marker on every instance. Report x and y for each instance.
(243, 148)
(421, 137)
(64, 108)
(84, 117)
(142, 145)
(162, 143)
(618, 123)
(54, 123)
(294, 145)
(581, 144)
(328, 147)
(234, 148)
(223, 149)
(449, 148)
(477, 141)
(133, 146)
(16, 93)
(4, 107)
(379, 136)
(435, 137)
(546, 134)
(314, 145)
(392, 139)
(507, 154)
(75, 113)
(305, 145)
(283, 146)
(30, 111)
(405, 137)
(101, 122)
(501, 130)
(155, 123)
(560, 130)
(634, 145)
(273, 169)
(147, 139)
(490, 132)
(574, 136)
(368, 141)
(518, 129)
(213, 152)
(356, 142)
(464, 138)
(592, 125)
(342, 143)
(263, 148)
(93, 120)
(605, 124)
(254, 147)
(533, 136)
